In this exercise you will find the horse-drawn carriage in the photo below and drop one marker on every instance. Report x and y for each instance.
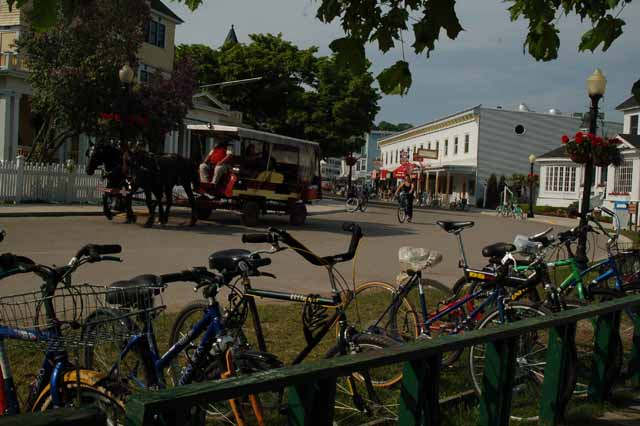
(268, 173)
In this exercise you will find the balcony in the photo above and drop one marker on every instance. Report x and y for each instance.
(12, 61)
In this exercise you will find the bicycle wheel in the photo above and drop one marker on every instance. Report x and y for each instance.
(371, 300)
(110, 329)
(76, 393)
(629, 317)
(531, 351)
(377, 405)
(351, 204)
(402, 214)
(585, 337)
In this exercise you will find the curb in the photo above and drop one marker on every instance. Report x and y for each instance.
(50, 214)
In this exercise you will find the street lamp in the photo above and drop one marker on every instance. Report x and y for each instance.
(126, 76)
(596, 86)
(532, 160)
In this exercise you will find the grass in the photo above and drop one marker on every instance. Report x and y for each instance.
(281, 323)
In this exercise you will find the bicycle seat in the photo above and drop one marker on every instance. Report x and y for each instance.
(227, 260)
(137, 292)
(452, 226)
(498, 249)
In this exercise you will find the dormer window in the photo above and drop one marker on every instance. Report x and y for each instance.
(634, 125)
(155, 33)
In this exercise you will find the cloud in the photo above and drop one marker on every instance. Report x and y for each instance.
(484, 65)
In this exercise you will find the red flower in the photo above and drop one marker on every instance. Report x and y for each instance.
(565, 139)
(591, 136)
(579, 138)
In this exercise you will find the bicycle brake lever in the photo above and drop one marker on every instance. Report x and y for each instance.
(266, 274)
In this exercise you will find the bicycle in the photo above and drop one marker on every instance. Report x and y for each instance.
(403, 205)
(459, 205)
(50, 318)
(357, 203)
(400, 321)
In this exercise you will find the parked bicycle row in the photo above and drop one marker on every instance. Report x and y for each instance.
(100, 344)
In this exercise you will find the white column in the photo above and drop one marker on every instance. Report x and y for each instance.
(15, 123)
(5, 127)
(635, 181)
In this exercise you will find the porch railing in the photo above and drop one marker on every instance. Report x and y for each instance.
(13, 61)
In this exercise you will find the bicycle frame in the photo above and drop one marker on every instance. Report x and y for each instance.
(210, 325)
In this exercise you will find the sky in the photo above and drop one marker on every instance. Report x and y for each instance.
(484, 65)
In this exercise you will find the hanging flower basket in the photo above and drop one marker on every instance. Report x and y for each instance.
(583, 146)
(533, 178)
(350, 160)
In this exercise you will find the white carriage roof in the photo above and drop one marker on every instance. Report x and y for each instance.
(244, 133)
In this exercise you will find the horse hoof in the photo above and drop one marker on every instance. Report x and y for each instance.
(148, 224)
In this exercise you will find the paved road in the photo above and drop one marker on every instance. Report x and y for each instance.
(175, 247)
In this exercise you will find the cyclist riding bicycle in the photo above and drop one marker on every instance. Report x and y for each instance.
(408, 189)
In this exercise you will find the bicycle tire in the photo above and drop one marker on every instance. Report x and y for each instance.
(108, 399)
(346, 412)
(402, 215)
(527, 347)
(351, 205)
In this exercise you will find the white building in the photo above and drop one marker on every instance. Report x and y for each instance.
(473, 144)
(561, 180)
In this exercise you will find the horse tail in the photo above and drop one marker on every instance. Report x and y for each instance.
(195, 176)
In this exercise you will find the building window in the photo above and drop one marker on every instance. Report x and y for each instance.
(622, 180)
(560, 179)
(155, 33)
(438, 146)
(396, 155)
(429, 145)
(446, 147)
(634, 124)
(604, 171)
(520, 130)
(466, 144)
(455, 146)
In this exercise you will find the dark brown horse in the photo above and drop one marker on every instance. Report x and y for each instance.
(157, 175)
(109, 156)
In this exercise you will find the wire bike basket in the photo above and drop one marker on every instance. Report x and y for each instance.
(75, 316)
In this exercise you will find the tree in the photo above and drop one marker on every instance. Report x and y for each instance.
(390, 127)
(300, 95)
(383, 22)
(493, 197)
(73, 69)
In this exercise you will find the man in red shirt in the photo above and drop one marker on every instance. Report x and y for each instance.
(219, 158)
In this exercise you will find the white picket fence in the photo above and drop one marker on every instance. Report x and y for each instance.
(21, 181)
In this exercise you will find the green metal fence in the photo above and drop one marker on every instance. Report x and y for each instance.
(312, 386)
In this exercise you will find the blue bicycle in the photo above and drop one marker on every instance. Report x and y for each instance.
(50, 318)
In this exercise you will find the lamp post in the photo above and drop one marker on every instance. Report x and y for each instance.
(596, 86)
(126, 76)
(532, 160)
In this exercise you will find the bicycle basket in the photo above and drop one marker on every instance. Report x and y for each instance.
(76, 318)
(526, 247)
(628, 264)
(414, 259)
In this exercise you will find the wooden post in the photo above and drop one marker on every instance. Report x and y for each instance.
(419, 404)
(607, 338)
(634, 362)
(497, 383)
(19, 178)
(312, 403)
(561, 353)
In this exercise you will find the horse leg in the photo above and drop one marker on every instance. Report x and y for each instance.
(168, 193)
(192, 203)
(106, 209)
(157, 192)
(151, 206)
(128, 204)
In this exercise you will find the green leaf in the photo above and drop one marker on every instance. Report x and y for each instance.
(543, 41)
(606, 31)
(328, 10)
(396, 79)
(192, 4)
(44, 13)
(349, 53)
(438, 15)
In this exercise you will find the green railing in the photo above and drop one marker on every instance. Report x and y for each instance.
(312, 386)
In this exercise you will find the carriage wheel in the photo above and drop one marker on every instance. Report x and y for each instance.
(203, 212)
(298, 214)
(250, 212)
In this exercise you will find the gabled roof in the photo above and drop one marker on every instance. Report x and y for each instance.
(632, 102)
(212, 100)
(231, 37)
(632, 139)
(160, 7)
(555, 153)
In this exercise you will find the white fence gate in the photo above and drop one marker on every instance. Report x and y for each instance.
(21, 181)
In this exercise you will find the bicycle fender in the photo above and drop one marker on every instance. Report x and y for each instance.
(86, 377)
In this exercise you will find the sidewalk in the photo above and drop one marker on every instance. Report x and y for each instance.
(60, 210)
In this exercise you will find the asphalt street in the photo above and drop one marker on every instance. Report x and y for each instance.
(53, 240)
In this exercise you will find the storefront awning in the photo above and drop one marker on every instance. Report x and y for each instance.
(383, 174)
(402, 171)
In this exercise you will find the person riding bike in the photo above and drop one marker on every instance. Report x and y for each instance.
(408, 189)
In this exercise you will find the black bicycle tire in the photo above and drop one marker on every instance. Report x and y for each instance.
(402, 215)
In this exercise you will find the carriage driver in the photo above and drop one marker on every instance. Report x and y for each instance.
(219, 158)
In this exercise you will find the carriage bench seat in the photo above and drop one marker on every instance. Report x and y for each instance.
(137, 292)
(498, 249)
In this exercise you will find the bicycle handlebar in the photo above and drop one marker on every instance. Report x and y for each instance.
(258, 238)
(93, 250)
